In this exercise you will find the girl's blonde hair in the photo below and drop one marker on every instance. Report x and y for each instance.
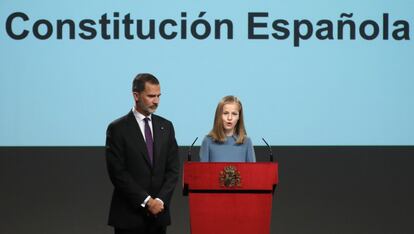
(217, 133)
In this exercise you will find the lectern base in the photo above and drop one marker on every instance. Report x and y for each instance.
(228, 213)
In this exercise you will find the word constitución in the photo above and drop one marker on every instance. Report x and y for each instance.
(258, 28)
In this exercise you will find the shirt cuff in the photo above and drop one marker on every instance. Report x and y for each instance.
(145, 201)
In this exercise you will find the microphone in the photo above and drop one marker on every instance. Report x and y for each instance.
(189, 150)
(270, 150)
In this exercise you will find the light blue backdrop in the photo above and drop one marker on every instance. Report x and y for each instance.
(339, 92)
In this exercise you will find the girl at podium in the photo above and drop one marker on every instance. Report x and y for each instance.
(227, 141)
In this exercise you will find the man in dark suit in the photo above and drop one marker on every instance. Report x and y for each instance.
(142, 162)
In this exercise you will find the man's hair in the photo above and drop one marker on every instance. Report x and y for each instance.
(217, 133)
(138, 85)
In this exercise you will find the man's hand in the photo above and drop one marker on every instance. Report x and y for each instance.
(155, 206)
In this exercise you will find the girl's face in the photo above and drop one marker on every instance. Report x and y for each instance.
(230, 117)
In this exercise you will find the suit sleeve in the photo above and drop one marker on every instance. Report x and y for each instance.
(120, 177)
(172, 169)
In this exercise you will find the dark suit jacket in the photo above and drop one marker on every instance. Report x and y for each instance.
(132, 175)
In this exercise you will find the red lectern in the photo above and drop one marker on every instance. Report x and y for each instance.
(230, 197)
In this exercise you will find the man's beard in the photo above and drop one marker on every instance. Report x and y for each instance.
(147, 109)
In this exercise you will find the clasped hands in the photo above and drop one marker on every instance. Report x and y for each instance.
(155, 206)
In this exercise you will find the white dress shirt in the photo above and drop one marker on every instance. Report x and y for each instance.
(140, 120)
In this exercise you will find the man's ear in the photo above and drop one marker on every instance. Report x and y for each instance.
(136, 96)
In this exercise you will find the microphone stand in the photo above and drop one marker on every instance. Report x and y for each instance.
(189, 150)
(270, 150)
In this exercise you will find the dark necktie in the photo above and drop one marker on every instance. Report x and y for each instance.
(148, 140)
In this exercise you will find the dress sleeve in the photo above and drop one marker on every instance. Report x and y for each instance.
(204, 150)
(251, 157)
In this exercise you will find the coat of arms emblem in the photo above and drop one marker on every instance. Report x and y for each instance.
(230, 177)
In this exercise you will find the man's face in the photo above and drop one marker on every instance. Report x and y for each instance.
(146, 102)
